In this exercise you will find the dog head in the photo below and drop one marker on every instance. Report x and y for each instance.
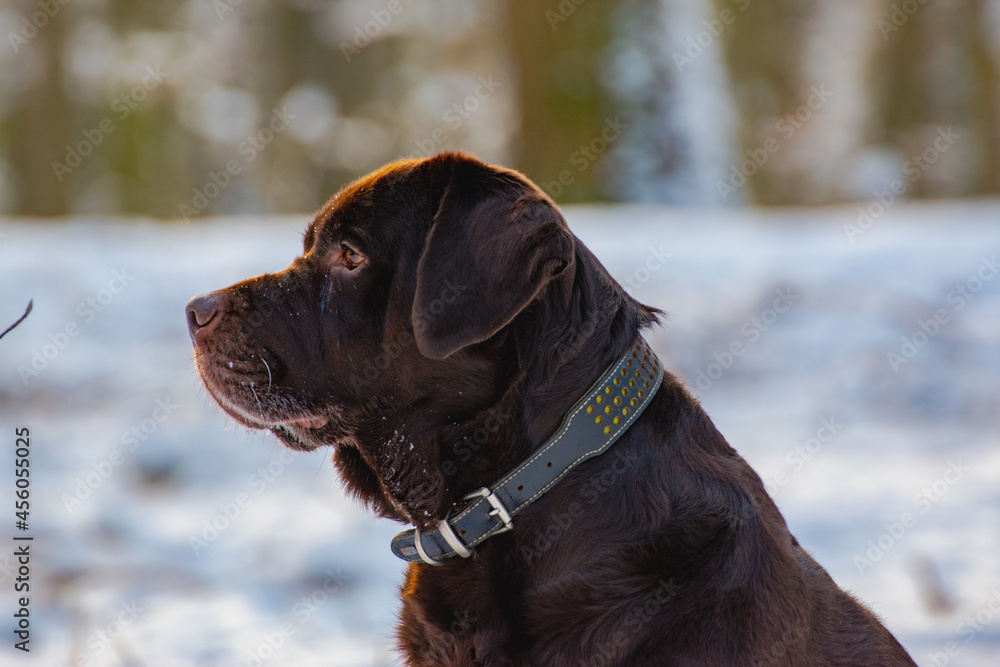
(393, 321)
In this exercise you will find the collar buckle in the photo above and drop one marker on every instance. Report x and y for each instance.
(498, 507)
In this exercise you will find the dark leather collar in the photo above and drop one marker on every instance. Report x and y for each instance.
(591, 426)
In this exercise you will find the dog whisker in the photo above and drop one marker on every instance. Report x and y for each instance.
(260, 408)
(268, 374)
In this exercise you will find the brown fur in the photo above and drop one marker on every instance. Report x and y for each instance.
(474, 321)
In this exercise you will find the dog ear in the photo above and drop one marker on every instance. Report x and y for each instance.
(495, 243)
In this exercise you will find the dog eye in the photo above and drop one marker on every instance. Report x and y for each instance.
(352, 258)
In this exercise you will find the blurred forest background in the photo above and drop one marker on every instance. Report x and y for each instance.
(179, 109)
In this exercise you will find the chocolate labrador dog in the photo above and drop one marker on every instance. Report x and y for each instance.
(482, 378)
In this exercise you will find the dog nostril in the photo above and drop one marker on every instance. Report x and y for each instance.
(202, 311)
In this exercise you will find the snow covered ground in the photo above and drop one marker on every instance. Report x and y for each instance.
(166, 535)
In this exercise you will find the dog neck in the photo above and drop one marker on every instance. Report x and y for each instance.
(592, 322)
(417, 466)
(589, 324)
(593, 424)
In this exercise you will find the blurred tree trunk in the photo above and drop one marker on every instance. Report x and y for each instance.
(936, 77)
(898, 75)
(557, 51)
(764, 48)
(667, 73)
(985, 19)
(42, 122)
(801, 79)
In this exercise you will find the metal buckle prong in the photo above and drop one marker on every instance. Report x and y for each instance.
(498, 508)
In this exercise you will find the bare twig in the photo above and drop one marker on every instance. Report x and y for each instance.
(19, 320)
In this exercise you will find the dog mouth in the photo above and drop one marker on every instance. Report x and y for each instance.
(299, 427)
(305, 432)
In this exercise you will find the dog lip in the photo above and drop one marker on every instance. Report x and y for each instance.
(256, 420)
(304, 423)
(311, 423)
(293, 438)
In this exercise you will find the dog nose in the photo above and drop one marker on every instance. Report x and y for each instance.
(203, 313)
